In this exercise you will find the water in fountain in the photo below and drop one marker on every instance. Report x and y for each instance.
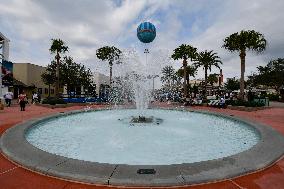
(133, 77)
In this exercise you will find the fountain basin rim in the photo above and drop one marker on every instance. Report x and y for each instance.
(16, 148)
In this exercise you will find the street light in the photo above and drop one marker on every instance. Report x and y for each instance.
(153, 77)
(1, 60)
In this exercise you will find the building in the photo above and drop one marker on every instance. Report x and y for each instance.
(210, 89)
(102, 84)
(4, 42)
(4, 55)
(27, 77)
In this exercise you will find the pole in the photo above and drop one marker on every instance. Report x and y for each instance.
(1, 59)
(153, 84)
(146, 51)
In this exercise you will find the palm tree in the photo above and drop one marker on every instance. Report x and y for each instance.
(58, 47)
(185, 52)
(212, 78)
(207, 59)
(110, 54)
(241, 42)
(190, 71)
(169, 76)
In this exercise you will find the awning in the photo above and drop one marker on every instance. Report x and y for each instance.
(19, 83)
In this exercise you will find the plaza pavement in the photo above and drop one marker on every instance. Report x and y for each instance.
(13, 176)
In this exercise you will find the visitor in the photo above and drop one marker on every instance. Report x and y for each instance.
(34, 98)
(222, 102)
(23, 100)
(8, 98)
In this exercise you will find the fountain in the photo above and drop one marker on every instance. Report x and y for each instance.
(117, 146)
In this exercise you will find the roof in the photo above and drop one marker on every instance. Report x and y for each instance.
(18, 83)
(3, 37)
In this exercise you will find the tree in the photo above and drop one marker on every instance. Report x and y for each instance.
(271, 75)
(241, 42)
(49, 79)
(185, 52)
(72, 74)
(213, 78)
(190, 71)
(110, 54)
(206, 60)
(58, 47)
(232, 84)
(169, 76)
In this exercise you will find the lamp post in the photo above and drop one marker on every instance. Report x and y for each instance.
(1, 59)
(153, 77)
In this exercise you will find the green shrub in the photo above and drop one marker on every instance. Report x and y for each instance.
(53, 101)
(205, 101)
(273, 97)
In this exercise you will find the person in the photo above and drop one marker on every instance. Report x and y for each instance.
(222, 102)
(22, 100)
(35, 98)
(8, 98)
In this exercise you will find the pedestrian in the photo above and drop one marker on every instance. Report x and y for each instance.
(22, 100)
(34, 98)
(222, 103)
(8, 98)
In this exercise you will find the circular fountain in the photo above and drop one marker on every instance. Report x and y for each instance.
(109, 137)
(108, 147)
(142, 146)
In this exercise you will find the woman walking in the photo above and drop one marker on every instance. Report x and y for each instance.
(22, 100)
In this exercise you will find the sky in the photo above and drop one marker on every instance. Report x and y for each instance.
(86, 25)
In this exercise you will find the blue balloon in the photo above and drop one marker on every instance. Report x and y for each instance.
(146, 32)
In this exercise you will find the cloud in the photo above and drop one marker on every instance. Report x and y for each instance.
(260, 15)
(87, 25)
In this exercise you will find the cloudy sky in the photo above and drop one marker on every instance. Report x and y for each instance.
(86, 25)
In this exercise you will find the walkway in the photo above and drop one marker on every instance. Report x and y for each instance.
(13, 176)
(276, 104)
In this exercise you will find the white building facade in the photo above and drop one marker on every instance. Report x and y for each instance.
(4, 55)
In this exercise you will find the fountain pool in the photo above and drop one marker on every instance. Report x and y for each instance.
(110, 137)
(176, 147)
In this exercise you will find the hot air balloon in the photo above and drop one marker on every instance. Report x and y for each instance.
(146, 32)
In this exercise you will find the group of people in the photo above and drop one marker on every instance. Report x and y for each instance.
(22, 99)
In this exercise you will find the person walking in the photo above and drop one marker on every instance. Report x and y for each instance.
(8, 98)
(22, 100)
(34, 98)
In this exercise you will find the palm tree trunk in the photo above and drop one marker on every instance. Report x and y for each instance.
(242, 80)
(49, 90)
(184, 79)
(205, 83)
(187, 79)
(57, 75)
(110, 74)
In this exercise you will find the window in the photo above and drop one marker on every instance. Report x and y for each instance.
(39, 90)
(52, 91)
(46, 91)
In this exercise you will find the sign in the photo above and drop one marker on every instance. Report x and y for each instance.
(7, 73)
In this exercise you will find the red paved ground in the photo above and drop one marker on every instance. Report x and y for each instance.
(12, 176)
